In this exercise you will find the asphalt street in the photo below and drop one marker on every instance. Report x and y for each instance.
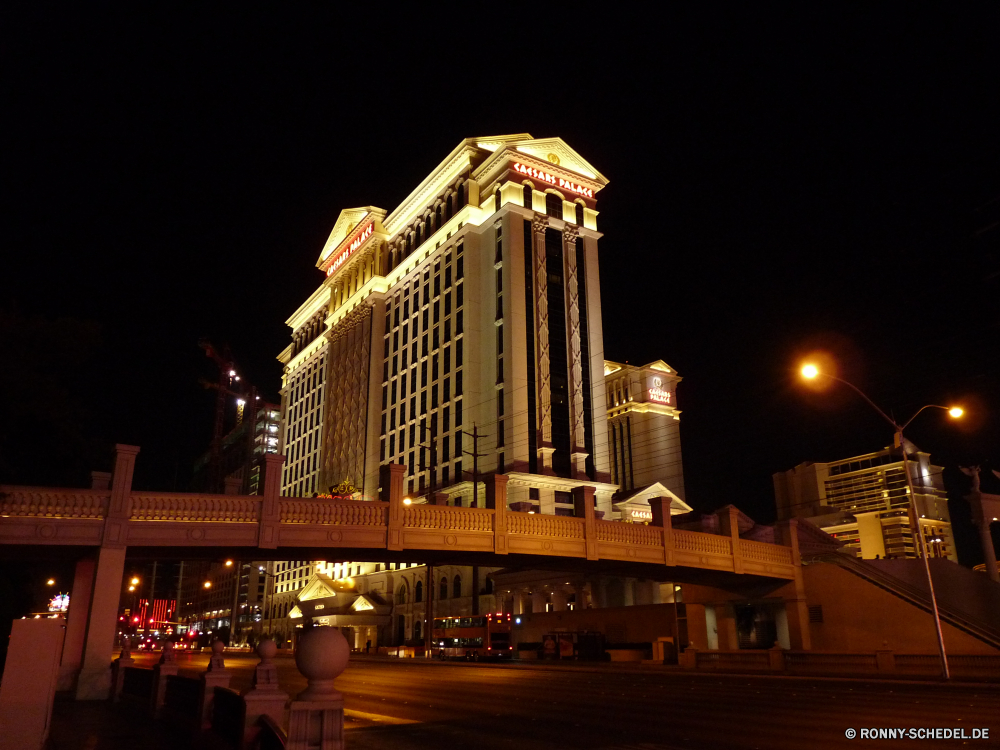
(421, 704)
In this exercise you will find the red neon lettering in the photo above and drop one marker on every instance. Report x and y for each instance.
(545, 176)
(660, 395)
(363, 235)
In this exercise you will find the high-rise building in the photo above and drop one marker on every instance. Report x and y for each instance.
(461, 331)
(864, 502)
(461, 334)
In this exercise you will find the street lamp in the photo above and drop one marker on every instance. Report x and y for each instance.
(810, 372)
(268, 591)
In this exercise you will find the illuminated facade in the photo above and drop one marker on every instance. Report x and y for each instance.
(644, 426)
(863, 502)
(471, 308)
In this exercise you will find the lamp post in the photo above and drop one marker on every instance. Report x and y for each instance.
(811, 372)
(268, 593)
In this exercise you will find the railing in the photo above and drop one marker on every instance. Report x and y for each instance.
(137, 683)
(929, 664)
(340, 512)
(445, 517)
(697, 541)
(973, 665)
(566, 527)
(733, 659)
(229, 712)
(629, 533)
(189, 507)
(765, 553)
(814, 661)
(183, 696)
(44, 502)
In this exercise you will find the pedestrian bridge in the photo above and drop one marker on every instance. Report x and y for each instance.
(97, 527)
(190, 526)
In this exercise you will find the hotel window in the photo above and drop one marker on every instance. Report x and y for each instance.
(554, 205)
(526, 193)
(579, 214)
(496, 200)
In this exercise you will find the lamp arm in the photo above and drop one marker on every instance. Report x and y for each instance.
(871, 403)
(929, 406)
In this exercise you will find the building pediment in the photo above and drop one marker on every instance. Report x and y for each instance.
(635, 504)
(318, 587)
(354, 228)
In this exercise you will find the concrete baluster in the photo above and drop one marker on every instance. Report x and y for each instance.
(118, 667)
(166, 667)
(215, 676)
(264, 698)
(776, 658)
(316, 719)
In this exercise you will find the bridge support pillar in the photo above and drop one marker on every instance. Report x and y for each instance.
(697, 626)
(76, 623)
(94, 681)
(725, 622)
(796, 607)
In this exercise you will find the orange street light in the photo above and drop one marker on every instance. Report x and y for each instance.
(51, 582)
(207, 584)
(810, 372)
(229, 563)
(407, 501)
(135, 581)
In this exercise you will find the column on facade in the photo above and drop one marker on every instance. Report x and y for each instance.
(558, 598)
(575, 353)
(538, 601)
(543, 375)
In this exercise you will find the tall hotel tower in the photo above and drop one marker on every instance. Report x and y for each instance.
(462, 329)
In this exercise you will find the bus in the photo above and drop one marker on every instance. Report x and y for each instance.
(472, 638)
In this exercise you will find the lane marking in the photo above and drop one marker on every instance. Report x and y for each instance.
(380, 718)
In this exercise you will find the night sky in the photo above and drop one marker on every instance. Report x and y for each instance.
(781, 181)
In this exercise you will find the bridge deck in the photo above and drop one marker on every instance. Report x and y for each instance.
(158, 522)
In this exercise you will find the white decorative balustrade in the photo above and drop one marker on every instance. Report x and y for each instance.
(765, 553)
(39, 515)
(560, 527)
(703, 544)
(629, 533)
(334, 512)
(190, 507)
(445, 517)
(44, 502)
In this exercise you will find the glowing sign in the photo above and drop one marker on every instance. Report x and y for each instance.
(642, 515)
(59, 603)
(659, 395)
(546, 177)
(359, 238)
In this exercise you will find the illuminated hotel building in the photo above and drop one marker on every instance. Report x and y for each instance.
(473, 306)
(864, 502)
(644, 426)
